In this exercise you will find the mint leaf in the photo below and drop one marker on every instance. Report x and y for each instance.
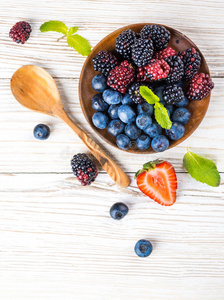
(148, 95)
(161, 116)
(80, 44)
(54, 26)
(72, 30)
(202, 169)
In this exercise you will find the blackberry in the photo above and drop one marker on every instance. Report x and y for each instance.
(192, 61)
(165, 53)
(121, 76)
(104, 62)
(84, 168)
(135, 94)
(172, 94)
(176, 69)
(142, 51)
(200, 87)
(157, 69)
(124, 41)
(20, 32)
(141, 76)
(158, 34)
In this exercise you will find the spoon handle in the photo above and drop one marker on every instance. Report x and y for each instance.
(113, 170)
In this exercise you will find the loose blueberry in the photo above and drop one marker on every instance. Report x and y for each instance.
(126, 99)
(41, 132)
(112, 97)
(113, 111)
(143, 142)
(183, 103)
(123, 142)
(143, 248)
(126, 113)
(99, 83)
(132, 131)
(115, 127)
(118, 211)
(100, 120)
(153, 130)
(145, 108)
(98, 103)
(175, 132)
(143, 121)
(181, 115)
(160, 143)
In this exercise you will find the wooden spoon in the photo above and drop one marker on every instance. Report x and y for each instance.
(34, 88)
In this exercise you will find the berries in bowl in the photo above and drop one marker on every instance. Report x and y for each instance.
(157, 88)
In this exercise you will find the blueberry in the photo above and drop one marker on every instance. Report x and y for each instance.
(160, 143)
(159, 92)
(113, 111)
(126, 113)
(118, 211)
(99, 83)
(132, 131)
(98, 103)
(112, 97)
(181, 115)
(169, 108)
(115, 127)
(127, 100)
(183, 102)
(143, 248)
(143, 142)
(153, 130)
(41, 132)
(176, 131)
(100, 120)
(143, 121)
(123, 142)
(145, 108)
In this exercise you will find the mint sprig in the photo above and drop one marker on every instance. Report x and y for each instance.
(75, 41)
(202, 169)
(160, 112)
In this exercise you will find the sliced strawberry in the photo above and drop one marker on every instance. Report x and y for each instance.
(158, 181)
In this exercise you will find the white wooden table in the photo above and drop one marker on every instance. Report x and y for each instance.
(57, 240)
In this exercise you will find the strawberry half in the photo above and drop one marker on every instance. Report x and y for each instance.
(158, 181)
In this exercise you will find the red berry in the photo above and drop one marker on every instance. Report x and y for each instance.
(20, 32)
(157, 70)
(165, 53)
(200, 87)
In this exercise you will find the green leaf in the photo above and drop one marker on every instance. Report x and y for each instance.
(138, 173)
(202, 169)
(72, 30)
(54, 26)
(152, 164)
(148, 95)
(80, 44)
(161, 116)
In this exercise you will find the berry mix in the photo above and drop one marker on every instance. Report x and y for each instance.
(145, 59)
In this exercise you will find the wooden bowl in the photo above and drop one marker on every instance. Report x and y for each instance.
(179, 42)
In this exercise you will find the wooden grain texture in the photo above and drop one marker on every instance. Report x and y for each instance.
(57, 240)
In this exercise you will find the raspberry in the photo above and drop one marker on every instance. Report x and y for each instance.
(158, 34)
(142, 51)
(176, 69)
(141, 76)
(134, 93)
(173, 94)
(165, 53)
(20, 32)
(84, 168)
(124, 41)
(192, 61)
(121, 76)
(200, 87)
(157, 69)
(104, 62)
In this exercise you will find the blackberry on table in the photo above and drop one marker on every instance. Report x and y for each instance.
(124, 41)
(158, 34)
(172, 94)
(157, 70)
(192, 61)
(84, 168)
(121, 76)
(134, 93)
(104, 62)
(20, 32)
(165, 53)
(200, 87)
(142, 51)
(176, 69)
